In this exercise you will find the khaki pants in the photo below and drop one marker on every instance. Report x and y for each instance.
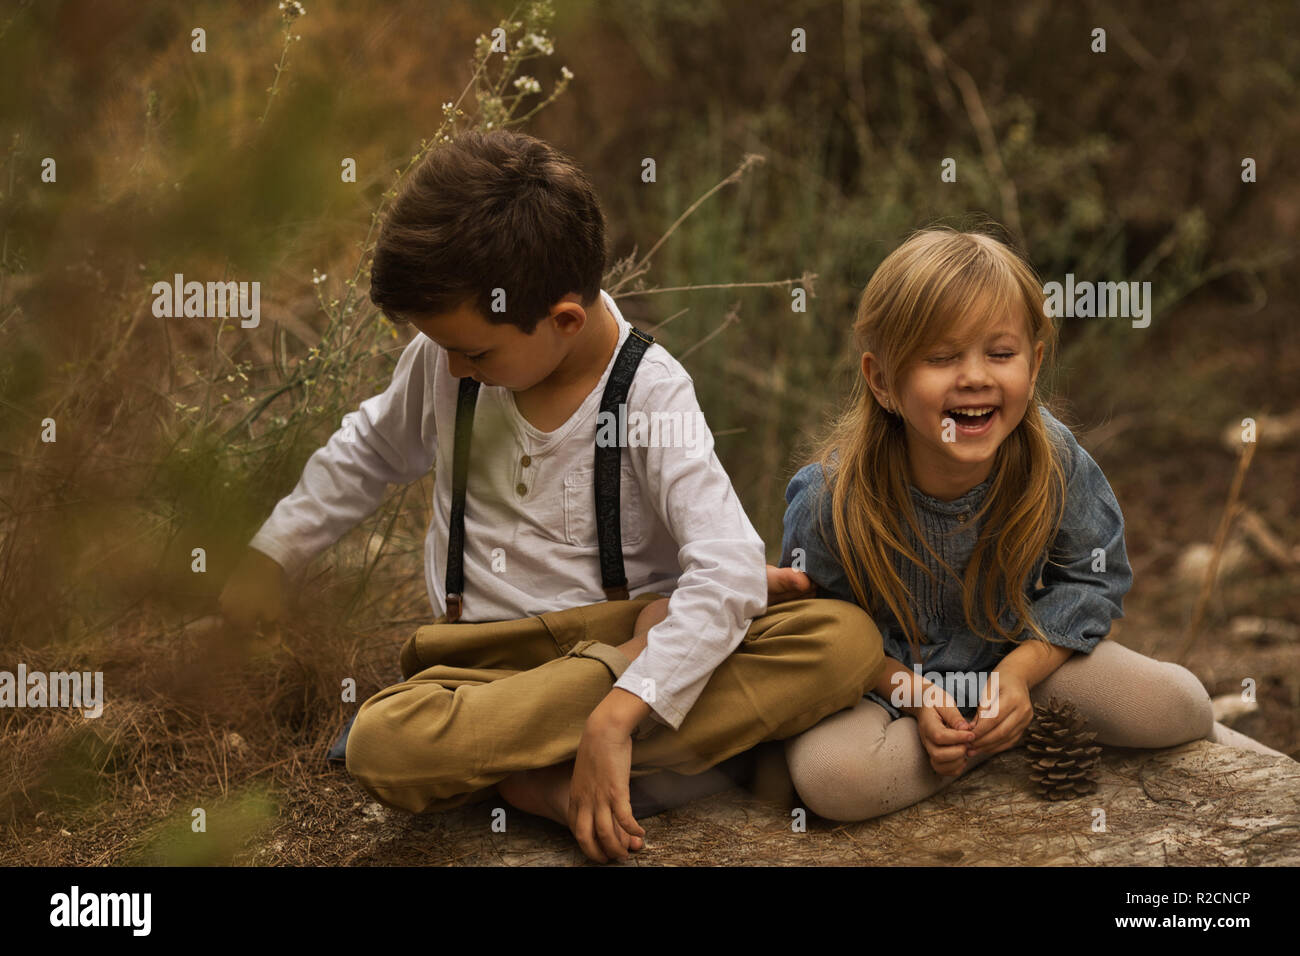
(482, 701)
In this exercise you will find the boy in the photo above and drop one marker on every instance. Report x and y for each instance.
(540, 691)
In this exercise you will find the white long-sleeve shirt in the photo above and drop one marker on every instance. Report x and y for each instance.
(530, 524)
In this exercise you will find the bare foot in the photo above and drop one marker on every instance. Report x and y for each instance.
(654, 612)
(650, 615)
(543, 792)
(633, 647)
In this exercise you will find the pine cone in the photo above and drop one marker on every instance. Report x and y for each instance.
(1063, 760)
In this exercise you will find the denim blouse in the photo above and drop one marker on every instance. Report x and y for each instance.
(1074, 606)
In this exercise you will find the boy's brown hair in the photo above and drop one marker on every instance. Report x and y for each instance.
(495, 210)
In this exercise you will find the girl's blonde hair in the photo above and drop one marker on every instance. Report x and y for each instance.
(913, 299)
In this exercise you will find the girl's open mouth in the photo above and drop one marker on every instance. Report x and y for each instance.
(973, 421)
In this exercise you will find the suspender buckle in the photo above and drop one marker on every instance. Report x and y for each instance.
(647, 339)
(616, 594)
(454, 605)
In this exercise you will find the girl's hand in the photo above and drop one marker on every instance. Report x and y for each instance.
(1004, 714)
(787, 584)
(945, 734)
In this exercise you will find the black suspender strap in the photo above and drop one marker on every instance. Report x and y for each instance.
(465, 403)
(609, 532)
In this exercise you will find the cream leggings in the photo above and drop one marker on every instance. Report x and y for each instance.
(860, 763)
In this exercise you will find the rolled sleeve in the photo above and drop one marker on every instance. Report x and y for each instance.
(1086, 572)
(723, 581)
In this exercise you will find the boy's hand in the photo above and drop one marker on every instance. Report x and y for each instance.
(787, 584)
(945, 734)
(253, 594)
(600, 803)
(1005, 711)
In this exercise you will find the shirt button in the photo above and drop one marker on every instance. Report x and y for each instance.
(521, 489)
(962, 517)
(525, 461)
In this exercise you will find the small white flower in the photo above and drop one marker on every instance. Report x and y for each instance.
(541, 43)
(566, 73)
(528, 85)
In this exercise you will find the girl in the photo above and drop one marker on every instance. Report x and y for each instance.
(938, 500)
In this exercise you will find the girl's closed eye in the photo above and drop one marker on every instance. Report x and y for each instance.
(942, 359)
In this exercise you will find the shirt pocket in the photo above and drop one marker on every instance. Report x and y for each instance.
(580, 507)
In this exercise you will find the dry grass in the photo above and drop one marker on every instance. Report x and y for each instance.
(193, 718)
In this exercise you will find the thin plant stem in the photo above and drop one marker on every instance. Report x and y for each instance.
(1230, 512)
